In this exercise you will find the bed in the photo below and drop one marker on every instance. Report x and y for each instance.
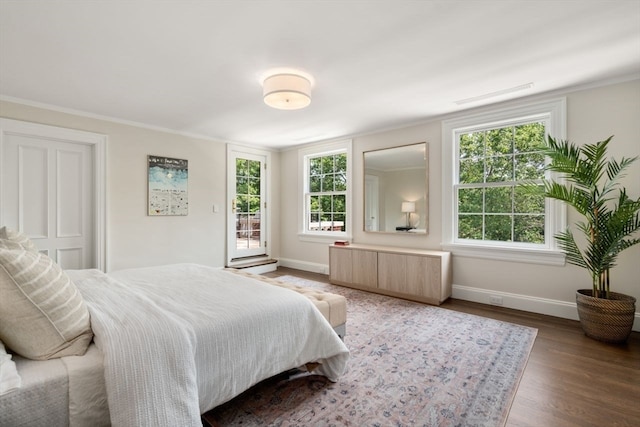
(170, 343)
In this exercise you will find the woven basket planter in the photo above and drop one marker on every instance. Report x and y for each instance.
(608, 320)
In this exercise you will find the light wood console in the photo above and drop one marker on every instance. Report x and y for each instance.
(415, 274)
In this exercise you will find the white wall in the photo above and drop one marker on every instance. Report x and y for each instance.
(593, 115)
(133, 238)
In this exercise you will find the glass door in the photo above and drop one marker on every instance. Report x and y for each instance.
(247, 225)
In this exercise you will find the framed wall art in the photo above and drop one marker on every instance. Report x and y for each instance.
(168, 192)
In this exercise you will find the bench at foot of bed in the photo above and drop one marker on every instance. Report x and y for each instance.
(332, 306)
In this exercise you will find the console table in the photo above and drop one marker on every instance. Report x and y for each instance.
(415, 274)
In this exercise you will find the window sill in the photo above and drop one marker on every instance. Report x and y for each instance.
(501, 253)
(322, 238)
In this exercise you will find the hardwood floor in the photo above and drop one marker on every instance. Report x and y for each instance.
(570, 379)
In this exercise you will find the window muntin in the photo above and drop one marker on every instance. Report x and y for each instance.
(326, 195)
(491, 162)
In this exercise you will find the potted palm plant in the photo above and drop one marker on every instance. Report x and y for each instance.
(590, 183)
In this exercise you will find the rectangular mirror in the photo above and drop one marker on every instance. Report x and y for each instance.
(396, 182)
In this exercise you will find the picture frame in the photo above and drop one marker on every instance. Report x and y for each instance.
(168, 186)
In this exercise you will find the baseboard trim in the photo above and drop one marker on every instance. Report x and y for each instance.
(550, 307)
(304, 265)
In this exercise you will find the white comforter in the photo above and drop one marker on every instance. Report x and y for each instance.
(179, 340)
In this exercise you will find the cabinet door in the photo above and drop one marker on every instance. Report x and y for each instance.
(392, 272)
(410, 275)
(424, 277)
(340, 262)
(417, 275)
(433, 287)
(365, 268)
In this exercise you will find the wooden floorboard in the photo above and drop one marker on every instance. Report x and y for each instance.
(570, 379)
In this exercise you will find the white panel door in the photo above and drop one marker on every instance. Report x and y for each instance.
(47, 193)
(371, 210)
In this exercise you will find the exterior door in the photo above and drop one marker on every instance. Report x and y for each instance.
(48, 191)
(247, 225)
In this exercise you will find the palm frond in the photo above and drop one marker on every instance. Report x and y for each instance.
(589, 182)
(572, 251)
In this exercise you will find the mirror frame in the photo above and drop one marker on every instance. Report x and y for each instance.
(425, 216)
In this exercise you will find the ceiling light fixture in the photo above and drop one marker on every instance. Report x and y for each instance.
(287, 91)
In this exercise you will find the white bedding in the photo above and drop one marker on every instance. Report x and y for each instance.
(41, 381)
(65, 392)
(175, 347)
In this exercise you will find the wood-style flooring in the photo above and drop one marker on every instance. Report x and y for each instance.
(570, 379)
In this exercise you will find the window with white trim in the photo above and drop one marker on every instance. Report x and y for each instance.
(486, 213)
(325, 199)
(491, 163)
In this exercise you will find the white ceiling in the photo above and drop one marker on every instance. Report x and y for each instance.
(195, 67)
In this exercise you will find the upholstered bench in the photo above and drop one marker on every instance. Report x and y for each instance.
(332, 306)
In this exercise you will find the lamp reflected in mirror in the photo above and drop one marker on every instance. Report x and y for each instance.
(407, 208)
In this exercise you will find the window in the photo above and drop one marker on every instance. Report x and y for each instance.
(327, 195)
(326, 190)
(485, 212)
(491, 163)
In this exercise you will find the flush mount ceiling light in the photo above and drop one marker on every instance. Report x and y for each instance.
(287, 91)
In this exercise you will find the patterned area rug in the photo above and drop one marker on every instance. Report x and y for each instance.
(411, 365)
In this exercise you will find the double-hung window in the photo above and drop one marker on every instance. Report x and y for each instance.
(326, 179)
(491, 163)
(487, 213)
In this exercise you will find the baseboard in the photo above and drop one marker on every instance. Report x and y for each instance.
(563, 309)
(550, 307)
(304, 265)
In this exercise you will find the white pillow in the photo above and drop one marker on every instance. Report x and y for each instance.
(9, 378)
(42, 313)
(10, 239)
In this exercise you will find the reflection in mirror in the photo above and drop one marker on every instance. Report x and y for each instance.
(395, 189)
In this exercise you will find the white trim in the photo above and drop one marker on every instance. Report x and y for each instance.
(98, 142)
(316, 150)
(304, 265)
(555, 221)
(501, 253)
(326, 238)
(546, 306)
(101, 203)
(111, 119)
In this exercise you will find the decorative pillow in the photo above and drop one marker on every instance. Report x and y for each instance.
(9, 239)
(9, 378)
(10, 244)
(42, 313)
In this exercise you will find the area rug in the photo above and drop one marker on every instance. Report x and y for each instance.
(411, 365)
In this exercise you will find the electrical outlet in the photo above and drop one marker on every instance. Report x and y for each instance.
(495, 300)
